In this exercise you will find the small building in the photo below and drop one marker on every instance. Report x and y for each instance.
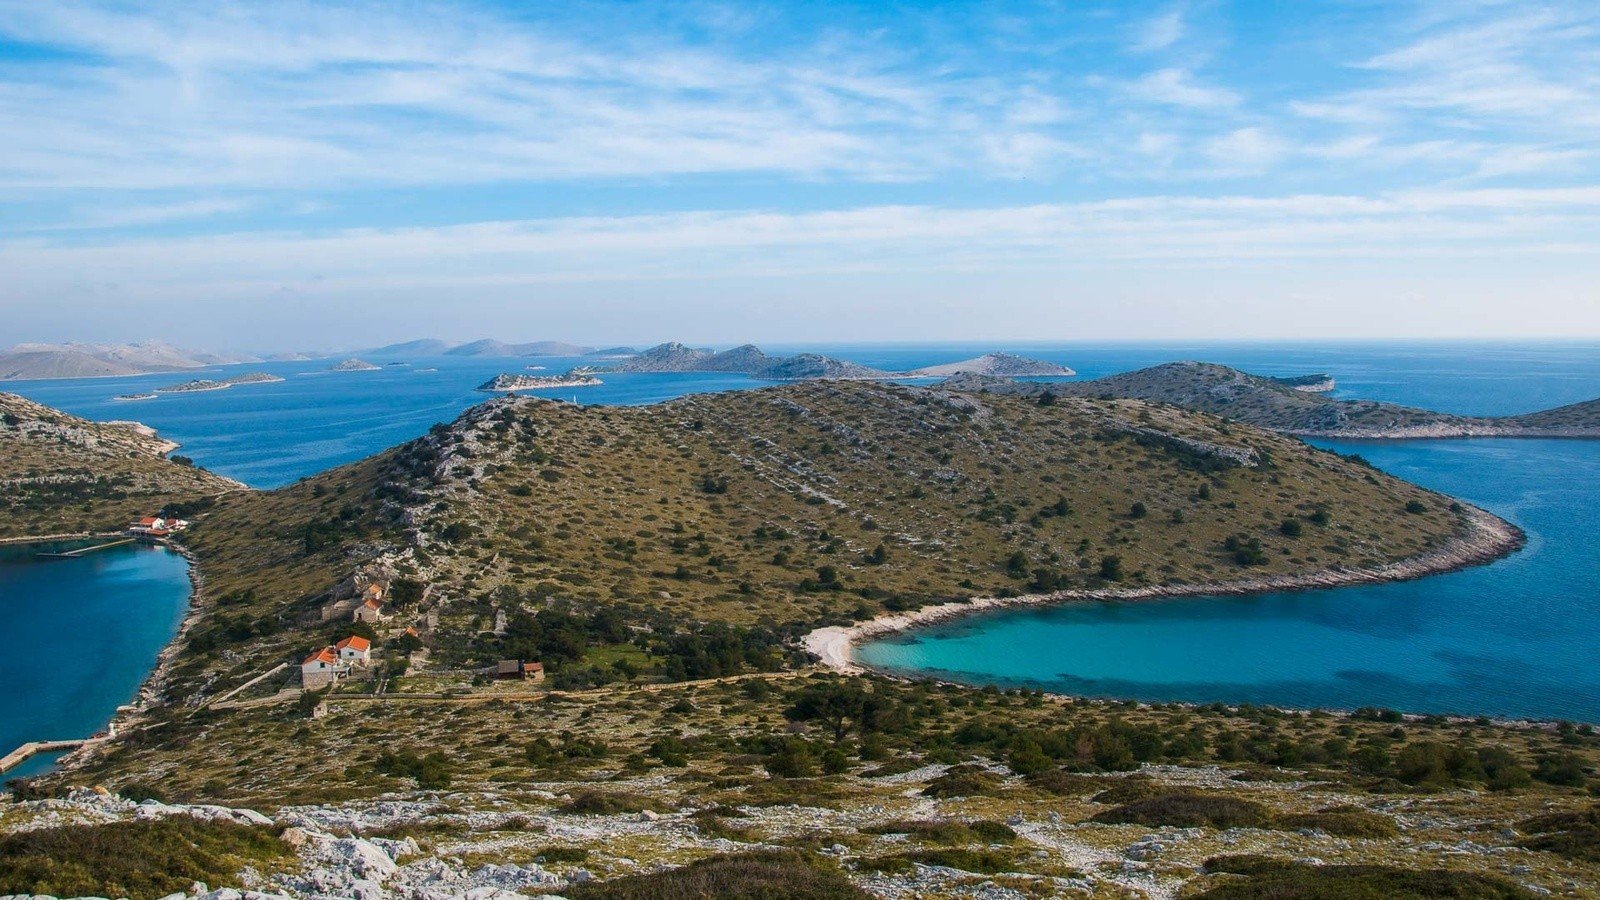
(354, 650)
(371, 610)
(157, 526)
(519, 670)
(321, 669)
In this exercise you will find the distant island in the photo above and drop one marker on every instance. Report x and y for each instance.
(353, 365)
(144, 396)
(748, 359)
(999, 365)
(1294, 408)
(41, 361)
(511, 381)
(207, 384)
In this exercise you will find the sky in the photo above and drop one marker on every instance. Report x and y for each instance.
(264, 175)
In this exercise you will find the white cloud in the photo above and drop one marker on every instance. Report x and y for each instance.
(1247, 149)
(1160, 32)
(1177, 87)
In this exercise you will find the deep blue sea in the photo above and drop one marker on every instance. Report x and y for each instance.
(78, 637)
(1519, 638)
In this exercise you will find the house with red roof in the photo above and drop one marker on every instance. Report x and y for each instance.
(321, 669)
(354, 650)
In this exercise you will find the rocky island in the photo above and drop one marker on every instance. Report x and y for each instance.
(206, 384)
(353, 365)
(748, 359)
(513, 381)
(665, 564)
(998, 365)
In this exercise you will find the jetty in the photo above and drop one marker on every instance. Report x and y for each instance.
(33, 748)
(81, 551)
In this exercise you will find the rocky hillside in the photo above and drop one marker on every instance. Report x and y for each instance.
(660, 562)
(1282, 405)
(61, 474)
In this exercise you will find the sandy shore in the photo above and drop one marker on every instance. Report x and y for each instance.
(1486, 537)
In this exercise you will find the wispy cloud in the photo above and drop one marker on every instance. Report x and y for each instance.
(1161, 31)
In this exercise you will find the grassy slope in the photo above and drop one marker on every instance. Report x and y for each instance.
(62, 474)
(730, 503)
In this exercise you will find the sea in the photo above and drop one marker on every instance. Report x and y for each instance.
(1517, 638)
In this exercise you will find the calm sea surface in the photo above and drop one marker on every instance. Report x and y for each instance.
(1521, 637)
(77, 636)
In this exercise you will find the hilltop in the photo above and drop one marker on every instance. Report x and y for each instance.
(662, 561)
(1286, 405)
(40, 361)
(60, 474)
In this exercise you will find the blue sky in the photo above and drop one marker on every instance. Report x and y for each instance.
(262, 175)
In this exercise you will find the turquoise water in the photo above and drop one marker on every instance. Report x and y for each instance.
(1515, 638)
(79, 636)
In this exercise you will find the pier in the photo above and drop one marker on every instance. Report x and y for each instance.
(33, 748)
(81, 551)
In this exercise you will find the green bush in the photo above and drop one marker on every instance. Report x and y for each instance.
(141, 859)
(602, 803)
(1274, 879)
(1188, 810)
(774, 875)
(1341, 821)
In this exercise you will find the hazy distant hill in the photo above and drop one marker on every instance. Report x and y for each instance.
(421, 347)
(491, 347)
(34, 361)
(1282, 405)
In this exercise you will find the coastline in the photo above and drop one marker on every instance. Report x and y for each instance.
(1486, 538)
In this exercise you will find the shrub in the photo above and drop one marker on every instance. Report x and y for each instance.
(986, 861)
(1341, 821)
(963, 784)
(1188, 810)
(140, 859)
(1273, 879)
(603, 803)
(768, 875)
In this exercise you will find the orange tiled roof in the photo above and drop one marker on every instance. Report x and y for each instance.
(354, 642)
(325, 655)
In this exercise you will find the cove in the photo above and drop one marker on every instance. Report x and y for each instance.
(79, 636)
(1517, 638)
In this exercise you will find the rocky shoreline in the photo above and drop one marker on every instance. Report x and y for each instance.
(1485, 538)
(1446, 430)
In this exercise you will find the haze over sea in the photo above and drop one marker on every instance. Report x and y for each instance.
(1516, 638)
